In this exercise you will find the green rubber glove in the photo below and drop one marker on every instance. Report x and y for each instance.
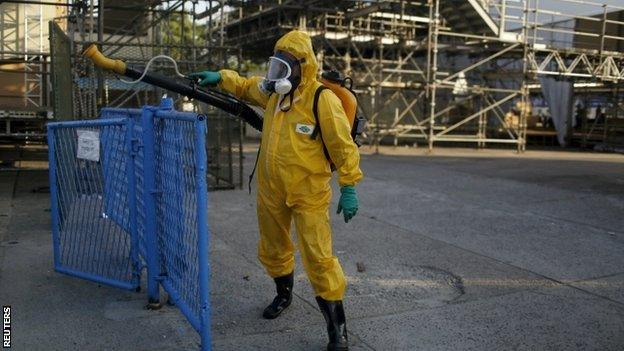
(207, 77)
(348, 203)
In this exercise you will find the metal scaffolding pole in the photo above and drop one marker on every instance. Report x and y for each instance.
(101, 93)
(432, 66)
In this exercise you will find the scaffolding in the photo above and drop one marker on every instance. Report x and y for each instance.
(23, 43)
(135, 31)
(130, 30)
(428, 72)
(448, 71)
(24, 65)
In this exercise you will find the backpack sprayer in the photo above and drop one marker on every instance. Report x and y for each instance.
(185, 86)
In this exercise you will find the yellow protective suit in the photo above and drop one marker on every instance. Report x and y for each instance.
(294, 174)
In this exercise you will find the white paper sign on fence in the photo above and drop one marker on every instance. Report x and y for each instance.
(88, 145)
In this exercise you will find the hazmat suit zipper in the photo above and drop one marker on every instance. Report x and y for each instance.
(277, 127)
(269, 158)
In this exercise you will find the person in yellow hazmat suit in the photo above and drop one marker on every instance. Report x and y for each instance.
(294, 175)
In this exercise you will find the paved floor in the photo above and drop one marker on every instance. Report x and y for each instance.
(460, 250)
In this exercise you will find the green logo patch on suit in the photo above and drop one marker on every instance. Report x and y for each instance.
(304, 129)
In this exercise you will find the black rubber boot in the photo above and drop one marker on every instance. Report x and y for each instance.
(336, 324)
(283, 286)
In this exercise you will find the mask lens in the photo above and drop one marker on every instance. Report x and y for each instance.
(278, 69)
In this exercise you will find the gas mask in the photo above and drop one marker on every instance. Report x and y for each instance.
(284, 74)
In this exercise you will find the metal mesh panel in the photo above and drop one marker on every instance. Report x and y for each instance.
(178, 202)
(61, 76)
(135, 115)
(93, 226)
(224, 147)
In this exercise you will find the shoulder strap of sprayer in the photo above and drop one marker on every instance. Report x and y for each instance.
(253, 171)
(317, 129)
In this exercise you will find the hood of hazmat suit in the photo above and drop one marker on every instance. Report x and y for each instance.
(293, 172)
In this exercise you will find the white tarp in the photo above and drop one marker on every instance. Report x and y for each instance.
(559, 95)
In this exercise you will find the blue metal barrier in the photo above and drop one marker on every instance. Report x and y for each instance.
(93, 224)
(181, 208)
(143, 198)
(134, 114)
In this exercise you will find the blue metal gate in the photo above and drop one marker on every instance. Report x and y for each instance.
(130, 192)
(92, 192)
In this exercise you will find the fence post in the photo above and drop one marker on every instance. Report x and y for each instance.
(202, 230)
(149, 195)
(53, 196)
(132, 204)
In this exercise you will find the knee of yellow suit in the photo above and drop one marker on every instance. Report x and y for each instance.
(326, 277)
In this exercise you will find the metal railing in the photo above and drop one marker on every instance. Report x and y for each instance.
(182, 190)
(131, 192)
(94, 227)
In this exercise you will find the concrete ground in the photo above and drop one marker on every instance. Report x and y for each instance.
(459, 250)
